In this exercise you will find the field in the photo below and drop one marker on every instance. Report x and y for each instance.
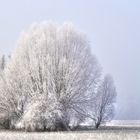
(116, 134)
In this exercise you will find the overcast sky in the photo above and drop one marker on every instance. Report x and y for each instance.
(112, 26)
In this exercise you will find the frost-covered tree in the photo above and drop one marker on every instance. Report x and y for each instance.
(53, 62)
(103, 105)
(4, 121)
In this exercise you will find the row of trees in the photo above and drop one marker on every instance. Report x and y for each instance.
(53, 82)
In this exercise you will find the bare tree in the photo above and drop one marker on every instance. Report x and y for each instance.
(103, 106)
(54, 62)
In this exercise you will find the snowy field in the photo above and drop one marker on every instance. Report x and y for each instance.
(116, 130)
(125, 123)
(91, 135)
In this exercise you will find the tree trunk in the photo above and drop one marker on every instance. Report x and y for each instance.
(97, 125)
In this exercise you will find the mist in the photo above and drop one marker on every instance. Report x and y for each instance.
(112, 27)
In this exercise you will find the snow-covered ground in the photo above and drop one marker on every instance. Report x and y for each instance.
(124, 123)
(102, 134)
(92, 135)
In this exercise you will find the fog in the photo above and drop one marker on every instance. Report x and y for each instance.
(112, 26)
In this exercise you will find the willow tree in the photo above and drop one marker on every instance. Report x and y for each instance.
(52, 64)
(103, 106)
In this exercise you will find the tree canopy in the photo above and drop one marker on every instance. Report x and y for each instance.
(51, 78)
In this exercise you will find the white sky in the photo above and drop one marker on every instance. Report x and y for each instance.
(113, 27)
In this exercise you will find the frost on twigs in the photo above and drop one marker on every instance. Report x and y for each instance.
(51, 74)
